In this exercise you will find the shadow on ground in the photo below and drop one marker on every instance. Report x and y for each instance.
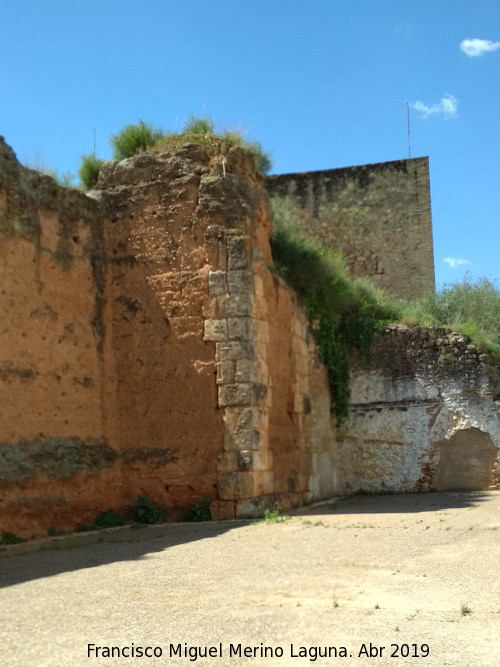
(38, 559)
(362, 503)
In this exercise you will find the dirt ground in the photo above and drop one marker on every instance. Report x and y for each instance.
(415, 574)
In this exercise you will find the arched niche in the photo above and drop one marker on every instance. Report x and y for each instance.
(466, 461)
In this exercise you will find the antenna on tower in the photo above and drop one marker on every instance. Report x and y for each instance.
(408, 126)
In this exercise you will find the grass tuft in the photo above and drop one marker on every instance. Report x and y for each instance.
(143, 137)
(465, 610)
(89, 171)
(134, 139)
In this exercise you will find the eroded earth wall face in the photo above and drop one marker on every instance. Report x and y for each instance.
(148, 349)
(378, 215)
(424, 415)
(163, 417)
(183, 234)
(219, 389)
(54, 453)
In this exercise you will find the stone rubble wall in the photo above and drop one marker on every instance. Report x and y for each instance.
(424, 415)
(378, 215)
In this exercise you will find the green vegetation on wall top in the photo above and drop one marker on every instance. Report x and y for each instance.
(65, 180)
(142, 137)
(469, 307)
(346, 314)
(343, 313)
(89, 171)
(134, 139)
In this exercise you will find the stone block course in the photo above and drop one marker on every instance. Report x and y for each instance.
(235, 305)
(226, 372)
(241, 329)
(233, 350)
(240, 282)
(247, 370)
(242, 393)
(239, 252)
(217, 283)
(215, 330)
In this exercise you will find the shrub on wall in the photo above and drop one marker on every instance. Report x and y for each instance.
(472, 308)
(142, 137)
(204, 126)
(262, 159)
(134, 139)
(89, 171)
(199, 126)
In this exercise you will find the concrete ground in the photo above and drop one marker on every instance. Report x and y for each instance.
(415, 574)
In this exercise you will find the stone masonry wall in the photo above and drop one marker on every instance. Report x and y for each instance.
(378, 215)
(425, 415)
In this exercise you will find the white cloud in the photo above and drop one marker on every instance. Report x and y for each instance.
(447, 106)
(455, 261)
(476, 47)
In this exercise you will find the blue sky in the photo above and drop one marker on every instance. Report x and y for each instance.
(320, 83)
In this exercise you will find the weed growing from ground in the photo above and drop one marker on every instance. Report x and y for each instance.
(200, 511)
(145, 512)
(275, 516)
(465, 610)
(109, 519)
(10, 538)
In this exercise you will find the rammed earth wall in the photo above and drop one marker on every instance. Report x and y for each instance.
(54, 451)
(149, 349)
(378, 215)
